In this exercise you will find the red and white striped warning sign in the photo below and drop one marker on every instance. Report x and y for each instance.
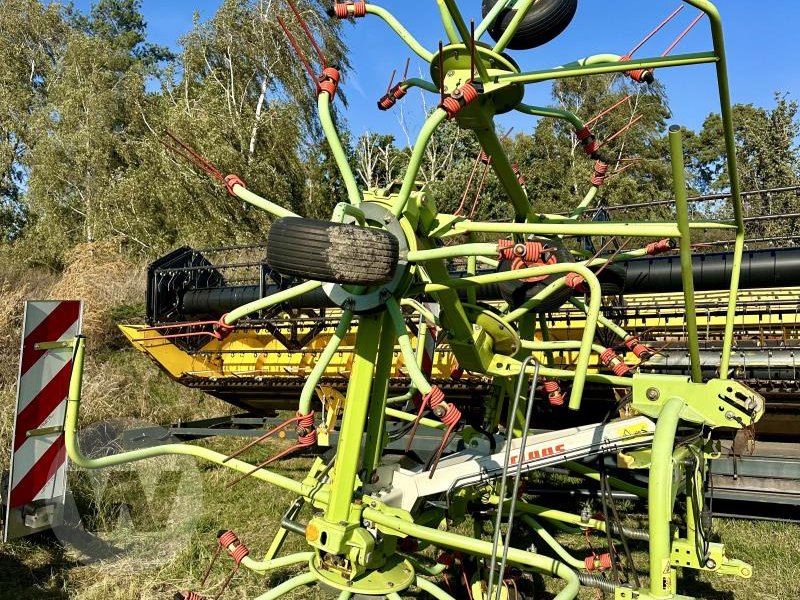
(38, 460)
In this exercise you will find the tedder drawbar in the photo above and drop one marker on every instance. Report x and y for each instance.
(383, 517)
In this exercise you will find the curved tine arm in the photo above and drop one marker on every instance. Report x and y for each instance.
(76, 456)
(307, 395)
(418, 378)
(276, 210)
(269, 301)
(419, 83)
(339, 155)
(554, 113)
(434, 120)
(490, 18)
(447, 22)
(410, 40)
(264, 566)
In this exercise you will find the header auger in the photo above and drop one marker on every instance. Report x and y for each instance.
(383, 252)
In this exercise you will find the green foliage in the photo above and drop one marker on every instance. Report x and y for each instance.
(85, 160)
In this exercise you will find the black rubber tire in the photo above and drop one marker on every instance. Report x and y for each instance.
(332, 252)
(545, 20)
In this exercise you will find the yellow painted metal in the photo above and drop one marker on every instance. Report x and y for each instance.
(257, 353)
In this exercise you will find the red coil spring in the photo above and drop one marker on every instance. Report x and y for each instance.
(340, 9)
(192, 596)
(391, 97)
(222, 329)
(621, 369)
(638, 75)
(635, 345)
(576, 282)
(387, 102)
(433, 398)
(660, 247)
(505, 249)
(610, 359)
(520, 177)
(608, 356)
(452, 416)
(483, 157)
(227, 538)
(232, 181)
(239, 553)
(600, 562)
(587, 139)
(454, 103)
(600, 170)
(553, 390)
(329, 81)
(305, 421)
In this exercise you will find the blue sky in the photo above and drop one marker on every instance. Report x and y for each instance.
(759, 36)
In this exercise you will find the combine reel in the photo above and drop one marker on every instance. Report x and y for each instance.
(384, 520)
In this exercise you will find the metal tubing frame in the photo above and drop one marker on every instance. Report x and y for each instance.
(339, 500)
(685, 242)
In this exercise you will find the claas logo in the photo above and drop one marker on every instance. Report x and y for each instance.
(540, 453)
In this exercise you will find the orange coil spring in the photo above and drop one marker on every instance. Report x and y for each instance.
(587, 139)
(483, 157)
(576, 282)
(520, 177)
(227, 538)
(189, 596)
(451, 105)
(635, 345)
(433, 398)
(452, 416)
(505, 249)
(600, 170)
(553, 390)
(533, 251)
(238, 554)
(638, 75)
(660, 247)
(340, 9)
(329, 81)
(600, 562)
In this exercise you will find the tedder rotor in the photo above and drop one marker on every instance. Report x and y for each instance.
(385, 255)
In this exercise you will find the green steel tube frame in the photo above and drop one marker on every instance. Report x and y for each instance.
(338, 499)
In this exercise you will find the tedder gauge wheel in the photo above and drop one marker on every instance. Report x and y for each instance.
(332, 252)
(545, 20)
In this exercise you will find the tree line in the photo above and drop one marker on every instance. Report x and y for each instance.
(85, 100)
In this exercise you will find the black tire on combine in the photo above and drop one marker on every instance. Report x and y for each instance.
(332, 252)
(544, 21)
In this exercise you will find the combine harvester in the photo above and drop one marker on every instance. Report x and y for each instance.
(337, 308)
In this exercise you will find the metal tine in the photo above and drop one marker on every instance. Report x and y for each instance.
(614, 255)
(517, 476)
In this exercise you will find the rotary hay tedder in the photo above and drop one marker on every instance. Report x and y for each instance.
(380, 512)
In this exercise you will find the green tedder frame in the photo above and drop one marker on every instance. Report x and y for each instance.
(359, 544)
